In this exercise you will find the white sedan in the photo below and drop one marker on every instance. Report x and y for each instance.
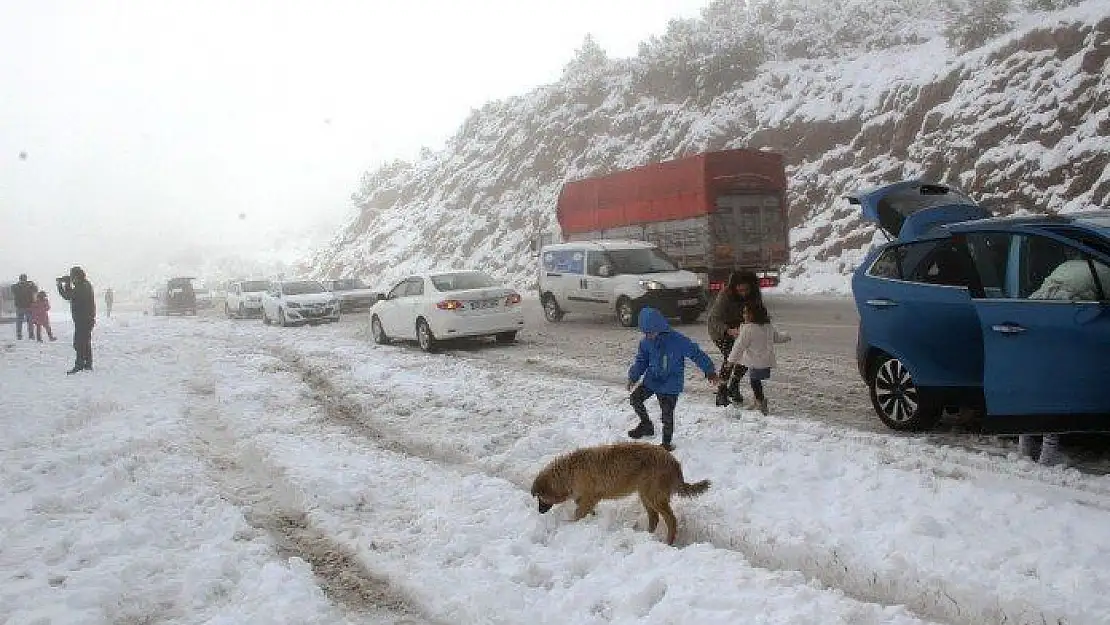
(299, 302)
(439, 306)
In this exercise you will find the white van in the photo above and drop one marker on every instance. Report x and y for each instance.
(616, 277)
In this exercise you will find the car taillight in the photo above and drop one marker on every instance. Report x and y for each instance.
(450, 304)
(766, 283)
(716, 286)
(512, 299)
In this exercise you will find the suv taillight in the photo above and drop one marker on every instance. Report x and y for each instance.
(512, 299)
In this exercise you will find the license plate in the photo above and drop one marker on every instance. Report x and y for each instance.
(485, 304)
(688, 302)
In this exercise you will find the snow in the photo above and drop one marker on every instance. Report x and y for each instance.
(141, 493)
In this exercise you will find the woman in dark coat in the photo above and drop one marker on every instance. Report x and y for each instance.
(725, 317)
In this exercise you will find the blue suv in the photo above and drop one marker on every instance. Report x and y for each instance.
(1008, 317)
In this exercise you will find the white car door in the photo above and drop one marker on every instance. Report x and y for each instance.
(387, 310)
(415, 298)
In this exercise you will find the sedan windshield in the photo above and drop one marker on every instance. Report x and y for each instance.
(462, 281)
(641, 260)
(302, 288)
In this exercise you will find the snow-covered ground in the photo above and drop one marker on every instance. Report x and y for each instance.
(214, 471)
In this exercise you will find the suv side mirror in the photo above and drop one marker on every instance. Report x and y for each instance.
(604, 271)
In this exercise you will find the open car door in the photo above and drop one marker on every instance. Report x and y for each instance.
(1046, 333)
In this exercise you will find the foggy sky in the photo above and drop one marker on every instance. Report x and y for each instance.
(149, 126)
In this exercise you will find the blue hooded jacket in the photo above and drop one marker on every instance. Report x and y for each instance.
(661, 360)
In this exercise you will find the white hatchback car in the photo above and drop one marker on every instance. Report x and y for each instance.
(244, 298)
(298, 302)
(438, 306)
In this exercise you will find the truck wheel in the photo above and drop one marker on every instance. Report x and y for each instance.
(551, 310)
(626, 312)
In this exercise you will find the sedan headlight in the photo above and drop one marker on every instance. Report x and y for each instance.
(652, 285)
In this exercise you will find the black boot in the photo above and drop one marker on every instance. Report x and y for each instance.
(722, 395)
(76, 369)
(645, 428)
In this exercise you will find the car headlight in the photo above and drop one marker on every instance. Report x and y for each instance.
(651, 285)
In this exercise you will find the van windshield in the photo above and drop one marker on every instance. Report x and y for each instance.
(641, 260)
(256, 286)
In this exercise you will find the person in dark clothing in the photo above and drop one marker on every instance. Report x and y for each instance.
(109, 299)
(82, 305)
(24, 293)
(660, 367)
(726, 315)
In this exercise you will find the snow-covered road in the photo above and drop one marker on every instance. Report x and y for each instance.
(214, 471)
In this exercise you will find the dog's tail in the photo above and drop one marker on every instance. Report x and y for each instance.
(692, 490)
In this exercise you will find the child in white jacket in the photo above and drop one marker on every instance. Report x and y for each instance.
(754, 350)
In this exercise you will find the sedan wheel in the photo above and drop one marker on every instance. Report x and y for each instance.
(897, 400)
(378, 331)
(424, 336)
(281, 319)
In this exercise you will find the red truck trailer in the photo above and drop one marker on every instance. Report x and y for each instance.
(712, 213)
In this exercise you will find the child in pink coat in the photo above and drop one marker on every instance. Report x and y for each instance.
(40, 316)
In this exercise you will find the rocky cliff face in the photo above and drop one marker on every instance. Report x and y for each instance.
(1022, 123)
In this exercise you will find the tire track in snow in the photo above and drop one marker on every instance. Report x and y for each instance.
(246, 480)
(348, 412)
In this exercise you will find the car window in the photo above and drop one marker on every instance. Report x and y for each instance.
(1051, 270)
(990, 255)
(564, 261)
(943, 265)
(398, 291)
(415, 287)
(901, 262)
(594, 261)
(888, 264)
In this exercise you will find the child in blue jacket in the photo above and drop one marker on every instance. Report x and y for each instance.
(661, 363)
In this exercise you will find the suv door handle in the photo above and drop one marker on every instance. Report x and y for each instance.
(1008, 328)
(881, 303)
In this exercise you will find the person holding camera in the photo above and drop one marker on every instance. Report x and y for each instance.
(82, 305)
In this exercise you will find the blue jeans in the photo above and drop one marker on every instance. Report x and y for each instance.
(23, 315)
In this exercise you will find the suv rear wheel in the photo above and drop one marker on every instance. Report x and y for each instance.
(897, 400)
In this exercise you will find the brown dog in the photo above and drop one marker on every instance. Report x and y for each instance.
(591, 474)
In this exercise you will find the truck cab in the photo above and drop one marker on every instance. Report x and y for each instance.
(616, 277)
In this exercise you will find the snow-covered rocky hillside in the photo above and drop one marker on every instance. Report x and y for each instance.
(1008, 100)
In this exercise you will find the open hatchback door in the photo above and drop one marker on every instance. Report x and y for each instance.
(911, 209)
